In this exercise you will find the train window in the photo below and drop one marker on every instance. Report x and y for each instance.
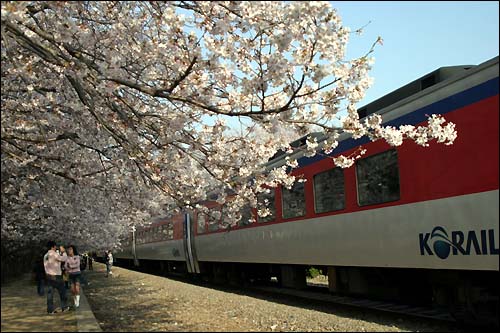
(294, 201)
(213, 219)
(266, 200)
(170, 231)
(201, 223)
(246, 216)
(329, 191)
(378, 178)
(226, 221)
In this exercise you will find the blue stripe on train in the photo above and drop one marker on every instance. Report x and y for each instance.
(451, 103)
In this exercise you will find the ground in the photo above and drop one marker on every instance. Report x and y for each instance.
(24, 311)
(134, 301)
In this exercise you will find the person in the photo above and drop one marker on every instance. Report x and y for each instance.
(83, 261)
(83, 267)
(39, 273)
(65, 276)
(52, 264)
(109, 263)
(90, 262)
(72, 266)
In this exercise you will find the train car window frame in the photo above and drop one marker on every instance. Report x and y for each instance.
(170, 231)
(271, 197)
(246, 216)
(213, 221)
(166, 231)
(198, 220)
(341, 186)
(163, 232)
(224, 220)
(375, 169)
(296, 209)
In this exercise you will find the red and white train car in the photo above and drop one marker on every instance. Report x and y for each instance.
(407, 222)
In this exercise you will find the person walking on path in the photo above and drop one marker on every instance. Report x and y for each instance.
(52, 263)
(90, 261)
(72, 266)
(83, 266)
(109, 263)
(39, 273)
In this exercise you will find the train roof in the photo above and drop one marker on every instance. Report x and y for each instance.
(408, 93)
(424, 82)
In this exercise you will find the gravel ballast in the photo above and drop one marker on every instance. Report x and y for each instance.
(134, 301)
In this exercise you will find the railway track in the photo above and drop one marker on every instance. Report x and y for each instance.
(414, 311)
(321, 295)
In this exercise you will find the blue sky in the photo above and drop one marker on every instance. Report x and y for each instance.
(419, 37)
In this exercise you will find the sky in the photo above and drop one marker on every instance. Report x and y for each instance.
(419, 37)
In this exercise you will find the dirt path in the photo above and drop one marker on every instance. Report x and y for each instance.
(24, 311)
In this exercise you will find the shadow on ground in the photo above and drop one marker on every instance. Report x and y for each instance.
(24, 311)
(121, 305)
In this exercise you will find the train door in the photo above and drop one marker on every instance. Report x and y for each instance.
(191, 258)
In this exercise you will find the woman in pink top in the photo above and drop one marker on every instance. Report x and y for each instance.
(72, 266)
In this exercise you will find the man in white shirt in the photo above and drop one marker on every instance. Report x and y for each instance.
(52, 263)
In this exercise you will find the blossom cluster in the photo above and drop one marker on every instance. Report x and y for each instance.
(113, 112)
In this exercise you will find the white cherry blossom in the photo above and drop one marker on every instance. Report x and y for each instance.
(116, 112)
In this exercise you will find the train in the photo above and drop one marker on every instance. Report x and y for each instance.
(413, 224)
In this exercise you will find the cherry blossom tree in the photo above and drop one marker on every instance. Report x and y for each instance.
(114, 111)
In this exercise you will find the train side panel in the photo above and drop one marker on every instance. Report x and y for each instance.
(167, 250)
(395, 236)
